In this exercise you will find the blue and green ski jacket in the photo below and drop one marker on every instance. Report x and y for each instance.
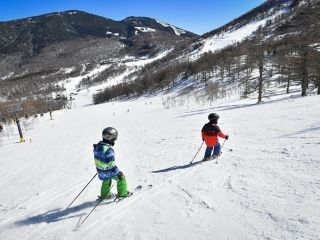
(105, 161)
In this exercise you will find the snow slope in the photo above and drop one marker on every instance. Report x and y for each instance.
(232, 36)
(267, 187)
(132, 64)
(225, 39)
(177, 31)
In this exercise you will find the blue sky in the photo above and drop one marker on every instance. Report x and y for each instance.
(198, 16)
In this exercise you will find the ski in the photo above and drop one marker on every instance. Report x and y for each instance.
(119, 198)
(114, 199)
(203, 161)
(136, 189)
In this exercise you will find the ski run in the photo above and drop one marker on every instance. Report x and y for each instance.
(267, 187)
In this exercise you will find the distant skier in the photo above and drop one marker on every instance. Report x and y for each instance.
(104, 158)
(210, 133)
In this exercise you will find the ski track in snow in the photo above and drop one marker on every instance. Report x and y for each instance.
(266, 188)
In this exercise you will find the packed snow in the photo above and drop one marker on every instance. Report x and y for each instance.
(132, 64)
(111, 33)
(145, 29)
(71, 83)
(9, 75)
(231, 37)
(316, 46)
(266, 184)
(177, 31)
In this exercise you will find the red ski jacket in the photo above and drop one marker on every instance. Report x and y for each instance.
(210, 133)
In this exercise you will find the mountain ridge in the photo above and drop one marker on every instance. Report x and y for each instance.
(42, 30)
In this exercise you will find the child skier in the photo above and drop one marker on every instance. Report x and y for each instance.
(210, 133)
(106, 167)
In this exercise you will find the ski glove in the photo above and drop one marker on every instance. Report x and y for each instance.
(227, 137)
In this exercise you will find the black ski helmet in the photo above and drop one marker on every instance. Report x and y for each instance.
(110, 134)
(213, 116)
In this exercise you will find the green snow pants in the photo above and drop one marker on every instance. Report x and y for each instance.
(122, 190)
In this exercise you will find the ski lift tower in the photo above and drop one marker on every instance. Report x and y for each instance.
(15, 108)
(50, 106)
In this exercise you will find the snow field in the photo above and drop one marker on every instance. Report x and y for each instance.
(266, 188)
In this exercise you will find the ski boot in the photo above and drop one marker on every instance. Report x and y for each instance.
(206, 159)
(110, 196)
(120, 197)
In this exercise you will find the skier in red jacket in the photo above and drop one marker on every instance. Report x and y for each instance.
(210, 133)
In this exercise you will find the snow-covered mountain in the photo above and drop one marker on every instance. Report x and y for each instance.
(156, 25)
(39, 54)
(243, 55)
(31, 35)
(65, 39)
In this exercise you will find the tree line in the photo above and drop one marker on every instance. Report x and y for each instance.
(294, 56)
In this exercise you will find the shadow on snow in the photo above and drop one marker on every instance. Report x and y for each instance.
(303, 131)
(177, 167)
(55, 215)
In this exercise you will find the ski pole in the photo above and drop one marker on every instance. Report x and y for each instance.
(220, 149)
(82, 190)
(223, 144)
(95, 206)
(197, 152)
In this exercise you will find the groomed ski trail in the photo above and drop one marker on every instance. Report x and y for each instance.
(173, 187)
